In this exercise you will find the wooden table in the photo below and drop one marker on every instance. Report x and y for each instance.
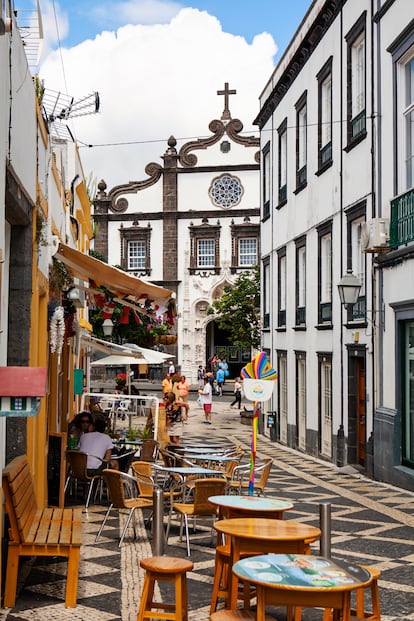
(302, 581)
(251, 506)
(256, 535)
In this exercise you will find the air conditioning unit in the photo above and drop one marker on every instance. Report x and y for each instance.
(375, 235)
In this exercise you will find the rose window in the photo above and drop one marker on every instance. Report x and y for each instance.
(226, 191)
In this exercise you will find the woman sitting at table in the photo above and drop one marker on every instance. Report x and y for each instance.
(174, 417)
(98, 445)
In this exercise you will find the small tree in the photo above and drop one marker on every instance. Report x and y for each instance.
(238, 310)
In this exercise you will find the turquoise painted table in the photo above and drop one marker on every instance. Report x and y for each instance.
(298, 580)
(251, 506)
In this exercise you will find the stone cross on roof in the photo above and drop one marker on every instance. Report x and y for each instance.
(226, 116)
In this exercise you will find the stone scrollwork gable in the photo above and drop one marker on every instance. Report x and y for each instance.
(218, 128)
(119, 204)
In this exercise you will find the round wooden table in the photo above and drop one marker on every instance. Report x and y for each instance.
(302, 581)
(251, 506)
(259, 535)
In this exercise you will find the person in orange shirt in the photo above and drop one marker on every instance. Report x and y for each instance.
(183, 388)
(166, 386)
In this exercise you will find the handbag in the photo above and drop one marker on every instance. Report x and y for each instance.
(226, 373)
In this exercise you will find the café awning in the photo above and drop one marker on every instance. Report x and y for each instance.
(120, 283)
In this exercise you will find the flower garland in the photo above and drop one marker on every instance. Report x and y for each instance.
(57, 330)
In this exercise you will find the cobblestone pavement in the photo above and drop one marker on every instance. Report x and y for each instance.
(372, 523)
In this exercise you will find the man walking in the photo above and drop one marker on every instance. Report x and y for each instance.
(206, 396)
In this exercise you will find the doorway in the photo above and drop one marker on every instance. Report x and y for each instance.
(356, 407)
(217, 342)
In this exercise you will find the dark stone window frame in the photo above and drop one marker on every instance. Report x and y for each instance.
(266, 182)
(301, 174)
(300, 312)
(398, 49)
(357, 29)
(325, 310)
(244, 230)
(281, 190)
(325, 159)
(136, 233)
(199, 232)
(266, 303)
(353, 314)
(281, 313)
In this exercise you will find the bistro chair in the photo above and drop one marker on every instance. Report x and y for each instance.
(203, 489)
(122, 495)
(239, 480)
(77, 462)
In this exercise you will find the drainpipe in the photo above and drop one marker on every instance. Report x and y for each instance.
(340, 438)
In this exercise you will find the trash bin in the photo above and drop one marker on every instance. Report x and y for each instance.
(272, 424)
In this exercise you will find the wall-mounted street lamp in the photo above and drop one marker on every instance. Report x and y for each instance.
(349, 287)
(108, 327)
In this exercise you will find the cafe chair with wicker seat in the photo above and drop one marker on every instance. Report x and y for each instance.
(123, 494)
(200, 507)
(77, 463)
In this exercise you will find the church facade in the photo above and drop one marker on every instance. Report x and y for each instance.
(193, 225)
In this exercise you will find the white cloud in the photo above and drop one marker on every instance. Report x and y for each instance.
(155, 81)
(136, 11)
(55, 25)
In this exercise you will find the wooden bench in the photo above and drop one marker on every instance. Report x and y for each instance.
(37, 532)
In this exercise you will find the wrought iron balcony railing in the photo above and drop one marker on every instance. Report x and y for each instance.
(402, 220)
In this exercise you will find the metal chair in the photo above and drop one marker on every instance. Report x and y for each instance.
(77, 461)
(240, 477)
(203, 489)
(123, 408)
(123, 495)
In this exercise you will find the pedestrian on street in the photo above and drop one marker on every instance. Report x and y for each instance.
(166, 386)
(200, 375)
(183, 388)
(237, 392)
(220, 381)
(174, 417)
(206, 396)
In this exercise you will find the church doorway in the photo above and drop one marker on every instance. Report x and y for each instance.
(217, 342)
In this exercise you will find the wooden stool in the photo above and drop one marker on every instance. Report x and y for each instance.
(164, 569)
(236, 615)
(359, 612)
(220, 584)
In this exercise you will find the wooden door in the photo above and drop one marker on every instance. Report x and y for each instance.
(361, 411)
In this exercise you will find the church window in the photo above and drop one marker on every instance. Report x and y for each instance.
(226, 191)
(136, 249)
(205, 253)
(245, 238)
(248, 251)
(136, 255)
(205, 248)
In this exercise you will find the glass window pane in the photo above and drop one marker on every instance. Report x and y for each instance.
(248, 251)
(136, 255)
(205, 253)
(326, 116)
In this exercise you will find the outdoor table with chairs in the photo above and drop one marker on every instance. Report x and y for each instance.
(256, 535)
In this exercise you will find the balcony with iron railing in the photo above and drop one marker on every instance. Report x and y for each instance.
(402, 220)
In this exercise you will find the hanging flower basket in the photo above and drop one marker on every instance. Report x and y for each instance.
(168, 339)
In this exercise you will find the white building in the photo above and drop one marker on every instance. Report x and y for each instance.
(192, 226)
(334, 154)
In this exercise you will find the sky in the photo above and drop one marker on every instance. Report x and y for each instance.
(157, 66)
